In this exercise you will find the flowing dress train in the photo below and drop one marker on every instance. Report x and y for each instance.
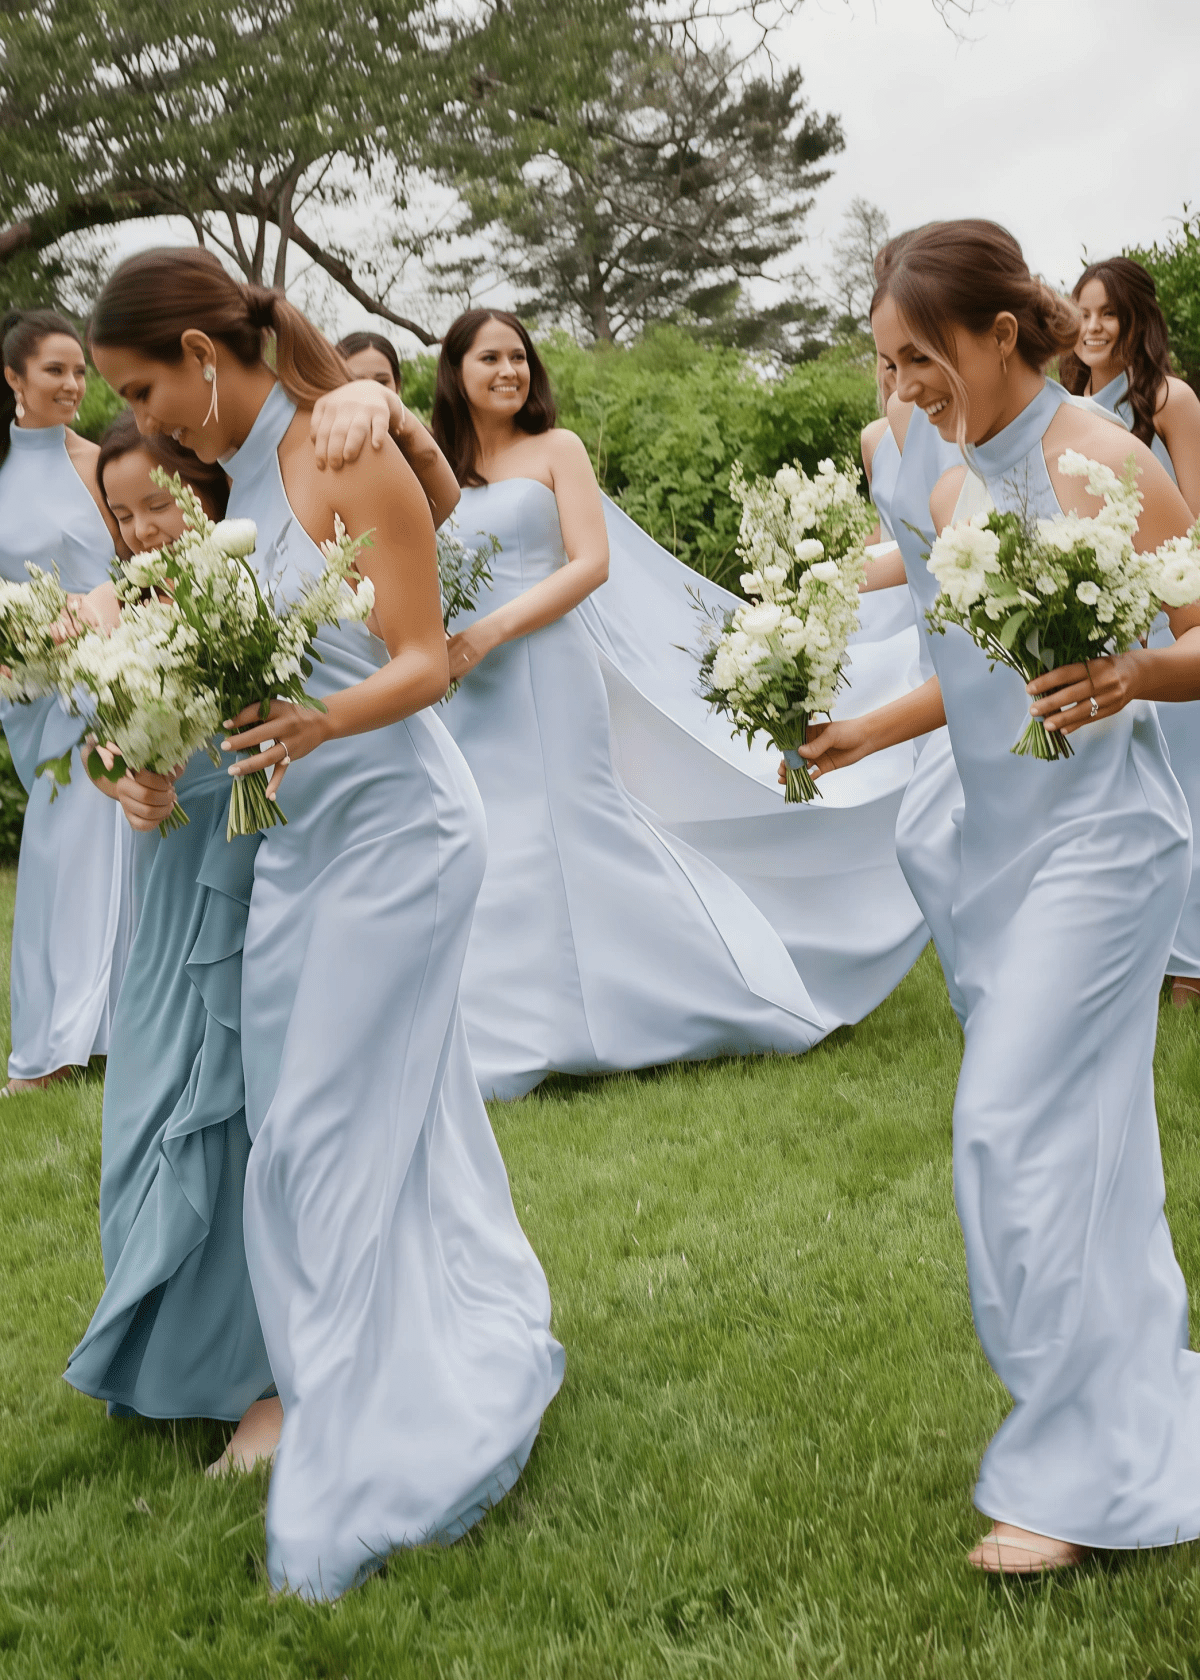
(1071, 881)
(406, 1317)
(73, 918)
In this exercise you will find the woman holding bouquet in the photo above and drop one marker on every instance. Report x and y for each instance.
(72, 921)
(406, 1318)
(1072, 877)
(1122, 360)
(598, 942)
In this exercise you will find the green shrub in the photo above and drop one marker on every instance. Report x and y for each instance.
(665, 420)
(1175, 266)
(100, 405)
(12, 806)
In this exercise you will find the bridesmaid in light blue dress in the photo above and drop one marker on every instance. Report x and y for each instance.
(1071, 880)
(602, 939)
(73, 917)
(1123, 330)
(176, 1332)
(406, 1317)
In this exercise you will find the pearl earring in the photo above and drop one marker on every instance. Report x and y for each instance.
(20, 407)
(214, 412)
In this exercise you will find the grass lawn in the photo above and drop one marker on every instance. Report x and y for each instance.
(760, 1463)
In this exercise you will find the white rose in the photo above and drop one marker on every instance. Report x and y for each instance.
(235, 537)
(808, 550)
(826, 571)
(1088, 592)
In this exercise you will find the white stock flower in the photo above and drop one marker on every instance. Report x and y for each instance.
(1088, 592)
(235, 537)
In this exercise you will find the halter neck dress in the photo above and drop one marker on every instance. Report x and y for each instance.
(74, 911)
(1180, 724)
(885, 469)
(929, 822)
(406, 1317)
(1071, 881)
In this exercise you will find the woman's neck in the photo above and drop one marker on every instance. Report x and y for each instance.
(1021, 389)
(495, 434)
(1103, 375)
(241, 400)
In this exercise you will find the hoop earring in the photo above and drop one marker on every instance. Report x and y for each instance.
(214, 412)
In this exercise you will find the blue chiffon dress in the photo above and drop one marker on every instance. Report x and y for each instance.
(1180, 724)
(406, 1317)
(1071, 881)
(176, 1332)
(929, 823)
(74, 909)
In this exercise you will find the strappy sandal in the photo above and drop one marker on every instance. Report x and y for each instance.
(1185, 991)
(1036, 1560)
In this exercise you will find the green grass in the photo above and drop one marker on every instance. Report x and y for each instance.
(760, 1463)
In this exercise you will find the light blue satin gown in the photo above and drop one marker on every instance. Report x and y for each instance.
(929, 823)
(176, 1332)
(1072, 877)
(885, 469)
(406, 1317)
(599, 942)
(74, 912)
(1180, 724)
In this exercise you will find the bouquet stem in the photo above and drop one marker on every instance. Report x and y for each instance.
(799, 787)
(178, 818)
(249, 808)
(1039, 742)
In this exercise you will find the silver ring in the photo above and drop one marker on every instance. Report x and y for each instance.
(287, 757)
(1094, 707)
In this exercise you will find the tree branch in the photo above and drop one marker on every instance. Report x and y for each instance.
(340, 271)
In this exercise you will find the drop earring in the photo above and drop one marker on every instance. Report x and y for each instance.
(214, 412)
(20, 407)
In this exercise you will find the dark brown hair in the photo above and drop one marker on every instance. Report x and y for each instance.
(21, 331)
(453, 428)
(356, 341)
(965, 273)
(152, 299)
(206, 478)
(1143, 345)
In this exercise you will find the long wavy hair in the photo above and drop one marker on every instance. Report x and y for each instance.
(453, 428)
(1143, 346)
(153, 298)
(206, 478)
(21, 331)
(965, 273)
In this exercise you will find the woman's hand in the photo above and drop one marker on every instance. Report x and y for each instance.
(466, 649)
(290, 732)
(146, 798)
(1073, 695)
(345, 419)
(831, 746)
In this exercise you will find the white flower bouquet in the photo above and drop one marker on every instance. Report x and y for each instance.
(29, 650)
(1061, 591)
(463, 570)
(773, 663)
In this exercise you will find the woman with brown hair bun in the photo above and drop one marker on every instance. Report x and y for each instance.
(1122, 360)
(1071, 880)
(406, 1318)
(73, 915)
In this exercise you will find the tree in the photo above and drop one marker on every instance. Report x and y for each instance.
(248, 121)
(864, 233)
(678, 173)
(1175, 265)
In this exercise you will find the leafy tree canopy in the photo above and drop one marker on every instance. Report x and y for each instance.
(1175, 265)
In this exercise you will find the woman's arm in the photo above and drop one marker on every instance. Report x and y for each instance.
(377, 494)
(343, 420)
(887, 572)
(831, 746)
(1178, 422)
(585, 538)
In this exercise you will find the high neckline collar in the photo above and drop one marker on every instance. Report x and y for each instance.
(29, 439)
(1001, 453)
(1112, 395)
(264, 436)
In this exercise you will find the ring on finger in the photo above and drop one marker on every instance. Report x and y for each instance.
(1093, 707)
(287, 757)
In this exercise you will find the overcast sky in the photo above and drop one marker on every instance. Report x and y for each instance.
(1074, 122)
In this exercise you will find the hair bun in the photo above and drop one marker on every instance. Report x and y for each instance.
(260, 306)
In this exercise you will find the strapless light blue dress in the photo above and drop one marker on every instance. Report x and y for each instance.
(1180, 724)
(406, 1317)
(929, 823)
(74, 911)
(1071, 881)
(176, 1333)
(885, 469)
(599, 940)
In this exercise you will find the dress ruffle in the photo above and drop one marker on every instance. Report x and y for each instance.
(176, 1332)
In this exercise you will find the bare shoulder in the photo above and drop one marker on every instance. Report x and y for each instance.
(1181, 402)
(898, 415)
(566, 448)
(378, 484)
(944, 498)
(1097, 438)
(84, 454)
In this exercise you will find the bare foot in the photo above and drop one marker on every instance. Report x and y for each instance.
(1009, 1550)
(1185, 991)
(254, 1439)
(15, 1086)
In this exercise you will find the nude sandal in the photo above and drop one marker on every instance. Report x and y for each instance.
(1185, 991)
(1036, 1560)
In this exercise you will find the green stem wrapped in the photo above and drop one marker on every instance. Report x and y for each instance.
(177, 819)
(249, 808)
(1039, 742)
(799, 787)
